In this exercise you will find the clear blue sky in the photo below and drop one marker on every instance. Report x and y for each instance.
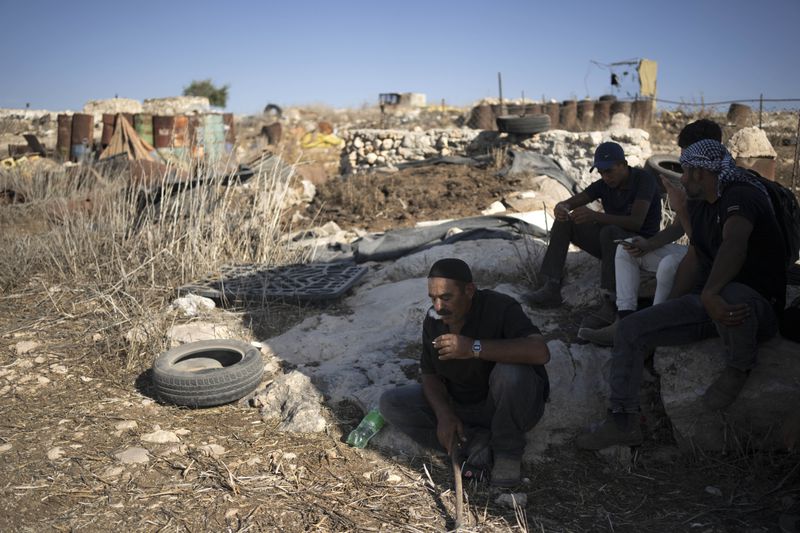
(59, 54)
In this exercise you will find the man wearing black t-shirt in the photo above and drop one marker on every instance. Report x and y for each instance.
(731, 283)
(483, 379)
(631, 206)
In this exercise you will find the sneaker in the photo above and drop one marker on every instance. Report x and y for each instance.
(599, 336)
(549, 295)
(612, 433)
(506, 472)
(725, 389)
(605, 315)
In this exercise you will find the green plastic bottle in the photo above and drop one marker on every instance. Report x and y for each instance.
(367, 428)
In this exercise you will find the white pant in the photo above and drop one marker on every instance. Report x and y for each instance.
(663, 261)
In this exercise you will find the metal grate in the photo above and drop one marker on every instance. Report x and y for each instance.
(321, 281)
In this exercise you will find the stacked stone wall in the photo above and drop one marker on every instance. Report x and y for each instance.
(372, 148)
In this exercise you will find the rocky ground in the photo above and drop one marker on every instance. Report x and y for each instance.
(85, 444)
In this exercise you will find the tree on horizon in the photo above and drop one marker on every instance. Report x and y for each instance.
(217, 96)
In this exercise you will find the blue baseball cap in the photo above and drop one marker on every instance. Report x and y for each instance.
(606, 155)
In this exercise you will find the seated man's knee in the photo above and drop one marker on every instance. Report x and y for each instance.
(621, 254)
(507, 375)
(738, 293)
(668, 266)
(610, 233)
(390, 402)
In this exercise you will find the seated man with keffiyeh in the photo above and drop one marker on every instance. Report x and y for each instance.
(731, 283)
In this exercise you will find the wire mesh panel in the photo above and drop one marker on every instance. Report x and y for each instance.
(320, 281)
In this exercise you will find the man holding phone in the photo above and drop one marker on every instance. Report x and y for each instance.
(658, 254)
(631, 206)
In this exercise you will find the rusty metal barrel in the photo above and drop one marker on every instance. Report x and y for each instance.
(109, 120)
(81, 136)
(499, 110)
(533, 109)
(195, 130)
(552, 110)
(740, 115)
(586, 114)
(642, 113)
(621, 107)
(516, 109)
(143, 123)
(568, 114)
(482, 118)
(230, 131)
(163, 127)
(602, 114)
(63, 135)
(180, 136)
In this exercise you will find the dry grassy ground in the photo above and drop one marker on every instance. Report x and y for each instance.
(75, 391)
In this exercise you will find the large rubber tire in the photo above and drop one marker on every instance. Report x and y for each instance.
(668, 165)
(272, 109)
(207, 373)
(526, 125)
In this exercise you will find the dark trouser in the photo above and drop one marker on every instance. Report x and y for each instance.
(595, 239)
(681, 321)
(514, 405)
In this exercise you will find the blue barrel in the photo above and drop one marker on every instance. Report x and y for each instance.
(213, 137)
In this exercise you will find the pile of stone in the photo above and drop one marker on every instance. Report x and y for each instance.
(371, 148)
(177, 105)
(112, 106)
(574, 151)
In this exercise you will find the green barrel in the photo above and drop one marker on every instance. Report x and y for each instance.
(143, 124)
(213, 137)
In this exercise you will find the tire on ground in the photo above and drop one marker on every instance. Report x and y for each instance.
(525, 125)
(207, 373)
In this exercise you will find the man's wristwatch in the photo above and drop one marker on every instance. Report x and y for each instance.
(476, 349)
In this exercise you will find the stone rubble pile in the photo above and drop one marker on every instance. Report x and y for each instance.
(177, 105)
(371, 148)
(112, 106)
(574, 151)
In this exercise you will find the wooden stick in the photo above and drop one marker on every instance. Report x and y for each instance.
(457, 481)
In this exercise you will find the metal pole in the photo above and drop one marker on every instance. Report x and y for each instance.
(500, 87)
(760, 109)
(796, 155)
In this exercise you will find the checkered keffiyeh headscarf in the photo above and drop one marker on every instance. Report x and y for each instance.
(712, 156)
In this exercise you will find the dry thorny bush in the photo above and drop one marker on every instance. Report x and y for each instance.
(116, 258)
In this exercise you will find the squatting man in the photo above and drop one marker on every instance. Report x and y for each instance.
(483, 380)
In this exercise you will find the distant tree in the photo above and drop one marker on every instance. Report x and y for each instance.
(218, 96)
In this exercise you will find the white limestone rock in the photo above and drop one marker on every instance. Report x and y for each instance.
(133, 455)
(294, 401)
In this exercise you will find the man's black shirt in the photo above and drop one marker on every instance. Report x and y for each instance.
(492, 316)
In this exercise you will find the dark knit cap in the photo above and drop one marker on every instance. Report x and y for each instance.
(451, 268)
